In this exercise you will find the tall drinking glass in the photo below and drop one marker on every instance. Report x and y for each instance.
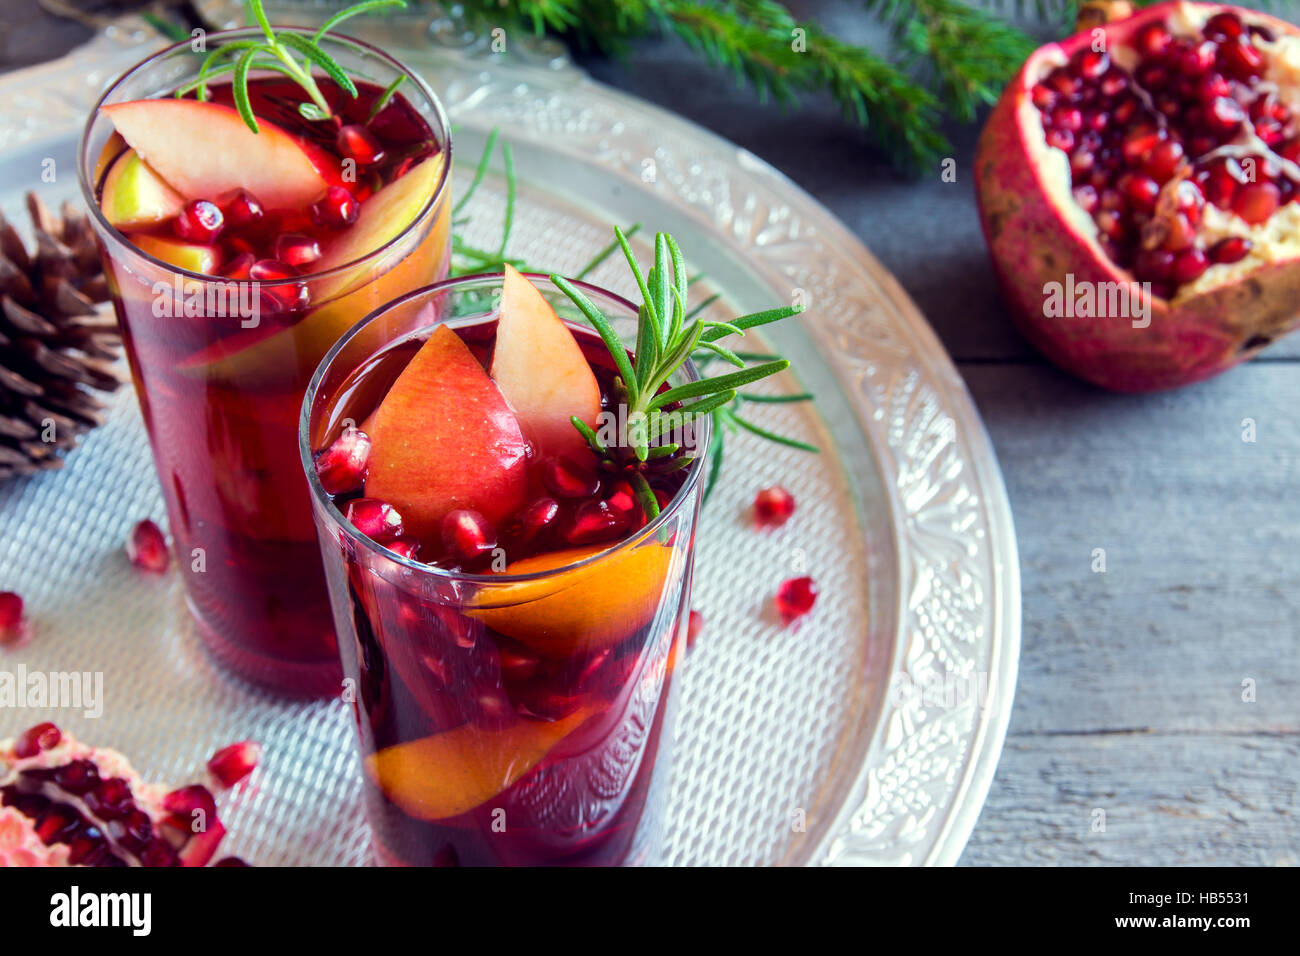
(503, 718)
(220, 391)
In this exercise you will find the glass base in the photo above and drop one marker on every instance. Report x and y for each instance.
(293, 678)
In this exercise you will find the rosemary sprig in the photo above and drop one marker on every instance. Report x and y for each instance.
(276, 52)
(668, 335)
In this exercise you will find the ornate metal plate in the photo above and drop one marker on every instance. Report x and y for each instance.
(866, 734)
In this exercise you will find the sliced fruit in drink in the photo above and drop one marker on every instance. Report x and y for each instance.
(271, 354)
(541, 371)
(204, 149)
(134, 195)
(583, 609)
(451, 773)
(443, 438)
(190, 256)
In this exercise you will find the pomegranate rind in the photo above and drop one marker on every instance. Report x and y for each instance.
(1037, 235)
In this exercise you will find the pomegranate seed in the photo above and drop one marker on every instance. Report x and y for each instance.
(1140, 141)
(1125, 109)
(1270, 131)
(1256, 202)
(184, 801)
(297, 250)
(1188, 265)
(1225, 24)
(516, 665)
(1232, 249)
(795, 598)
(230, 861)
(1241, 59)
(1164, 160)
(1090, 64)
(279, 295)
(567, 479)
(1199, 58)
(1179, 234)
(1061, 139)
(158, 853)
(1042, 97)
(1141, 191)
(111, 799)
(1153, 39)
(240, 266)
(359, 143)
(33, 740)
(1097, 122)
(404, 547)
(147, 547)
(232, 764)
(14, 628)
(492, 709)
(1152, 76)
(377, 520)
(1153, 264)
(1290, 149)
(338, 208)
(1111, 224)
(622, 501)
(533, 521)
(594, 521)
(241, 209)
(342, 466)
(773, 506)
(1224, 114)
(1086, 197)
(1081, 161)
(198, 221)
(694, 627)
(1066, 118)
(1063, 83)
(77, 777)
(1212, 86)
(468, 535)
(1113, 81)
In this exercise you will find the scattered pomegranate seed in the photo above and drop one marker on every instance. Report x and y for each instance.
(359, 143)
(623, 502)
(342, 466)
(33, 740)
(240, 266)
(198, 221)
(147, 547)
(567, 479)
(241, 209)
(15, 629)
(230, 861)
(795, 598)
(1232, 249)
(232, 764)
(694, 628)
(377, 520)
(279, 294)
(773, 506)
(183, 802)
(468, 535)
(594, 521)
(297, 250)
(517, 665)
(338, 208)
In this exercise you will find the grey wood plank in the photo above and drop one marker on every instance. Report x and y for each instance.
(1201, 533)
(1168, 800)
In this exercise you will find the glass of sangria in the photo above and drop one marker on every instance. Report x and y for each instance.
(235, 260)
(509, 618)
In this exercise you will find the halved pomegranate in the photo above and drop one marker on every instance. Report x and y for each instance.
(1153, 157)
(63, 803)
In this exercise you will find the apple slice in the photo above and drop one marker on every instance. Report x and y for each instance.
(453, 772)
(584, 609)
(134, 195)
(204, 149)
(262, 355)
(443, 438)
(541, 370)
(191, 256)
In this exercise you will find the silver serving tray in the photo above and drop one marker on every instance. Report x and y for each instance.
(867, 734)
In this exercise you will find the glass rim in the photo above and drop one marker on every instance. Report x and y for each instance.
(319, 496)
(112, 232)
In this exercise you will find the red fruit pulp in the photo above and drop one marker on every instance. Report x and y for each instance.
(221, 399)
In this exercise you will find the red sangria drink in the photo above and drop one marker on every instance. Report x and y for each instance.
(248, 215)
(511, 596)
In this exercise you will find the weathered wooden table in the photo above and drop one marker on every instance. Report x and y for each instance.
(1130, 698)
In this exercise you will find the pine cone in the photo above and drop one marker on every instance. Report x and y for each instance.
(58, 344)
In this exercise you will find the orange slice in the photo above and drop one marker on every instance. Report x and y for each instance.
(587, 608)
(451, 773)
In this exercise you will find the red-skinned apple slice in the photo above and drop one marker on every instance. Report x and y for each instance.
(270, 354)
(541, 370)
(134, 195)
(205, 149)
(443, 438)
